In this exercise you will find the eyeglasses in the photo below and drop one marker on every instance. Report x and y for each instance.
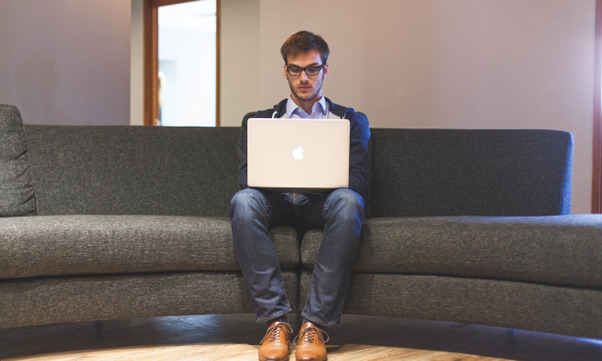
(312, 70)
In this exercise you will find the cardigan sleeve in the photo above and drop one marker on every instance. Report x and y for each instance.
(242, 152)
(359, 154)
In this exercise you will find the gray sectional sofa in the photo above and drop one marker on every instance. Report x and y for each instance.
(471, 226)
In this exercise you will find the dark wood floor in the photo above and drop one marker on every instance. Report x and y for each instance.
(357, 338)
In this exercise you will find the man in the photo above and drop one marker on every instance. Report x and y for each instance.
(339, 212)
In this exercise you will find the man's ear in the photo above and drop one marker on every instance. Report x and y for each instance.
(285, 73)
(325, 70)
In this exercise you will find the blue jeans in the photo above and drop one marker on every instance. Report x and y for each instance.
(339, 213)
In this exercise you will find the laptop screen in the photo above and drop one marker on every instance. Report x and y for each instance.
(298, 154)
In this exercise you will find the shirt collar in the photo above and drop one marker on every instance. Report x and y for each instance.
(319, 109)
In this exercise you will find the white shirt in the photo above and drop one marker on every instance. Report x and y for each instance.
(318, 111)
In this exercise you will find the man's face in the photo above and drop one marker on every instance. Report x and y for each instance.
(305, 89)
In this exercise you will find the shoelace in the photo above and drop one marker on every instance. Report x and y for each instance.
(273, 333)
(309, 335)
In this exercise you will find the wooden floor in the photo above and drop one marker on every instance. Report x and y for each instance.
(235, 337)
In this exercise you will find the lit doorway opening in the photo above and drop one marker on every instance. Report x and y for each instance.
(182, 63)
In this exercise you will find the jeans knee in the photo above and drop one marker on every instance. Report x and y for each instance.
(246, 202)
(345, 203)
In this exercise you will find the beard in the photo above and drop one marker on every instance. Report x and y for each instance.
(306, 91)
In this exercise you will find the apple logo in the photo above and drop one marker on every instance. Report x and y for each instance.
(298, 153)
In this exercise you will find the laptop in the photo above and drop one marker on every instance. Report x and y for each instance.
(298, 155)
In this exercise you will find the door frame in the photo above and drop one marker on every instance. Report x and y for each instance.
(151, 59)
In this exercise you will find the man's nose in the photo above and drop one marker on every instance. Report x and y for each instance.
(303, 74)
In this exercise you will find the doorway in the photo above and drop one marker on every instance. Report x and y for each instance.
(181, 63)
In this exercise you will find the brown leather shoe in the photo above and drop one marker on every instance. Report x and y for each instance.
(274, 346)
(310, 343)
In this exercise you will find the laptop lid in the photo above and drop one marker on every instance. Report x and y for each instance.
(298, 154)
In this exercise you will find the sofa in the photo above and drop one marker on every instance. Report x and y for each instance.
(119, 222)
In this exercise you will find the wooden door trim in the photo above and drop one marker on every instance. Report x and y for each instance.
(151, 66)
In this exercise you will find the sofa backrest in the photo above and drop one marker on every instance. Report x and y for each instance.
(16, 184)
(436, 172)
(193, 171)
(133, 170)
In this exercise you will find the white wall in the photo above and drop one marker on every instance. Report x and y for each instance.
(66, 61)
(446, 64)
(137, 63)
(239, 57)
(405, 63)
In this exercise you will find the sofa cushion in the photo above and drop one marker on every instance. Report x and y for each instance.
(51, 300)
(16, 188)
(86, 244)
(470, 172)
(180, 171)
(559, 250)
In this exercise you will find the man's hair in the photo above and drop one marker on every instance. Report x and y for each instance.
(303, 42)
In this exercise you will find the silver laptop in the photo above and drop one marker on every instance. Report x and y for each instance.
(298, 154)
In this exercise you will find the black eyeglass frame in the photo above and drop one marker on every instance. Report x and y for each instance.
(301, 70)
